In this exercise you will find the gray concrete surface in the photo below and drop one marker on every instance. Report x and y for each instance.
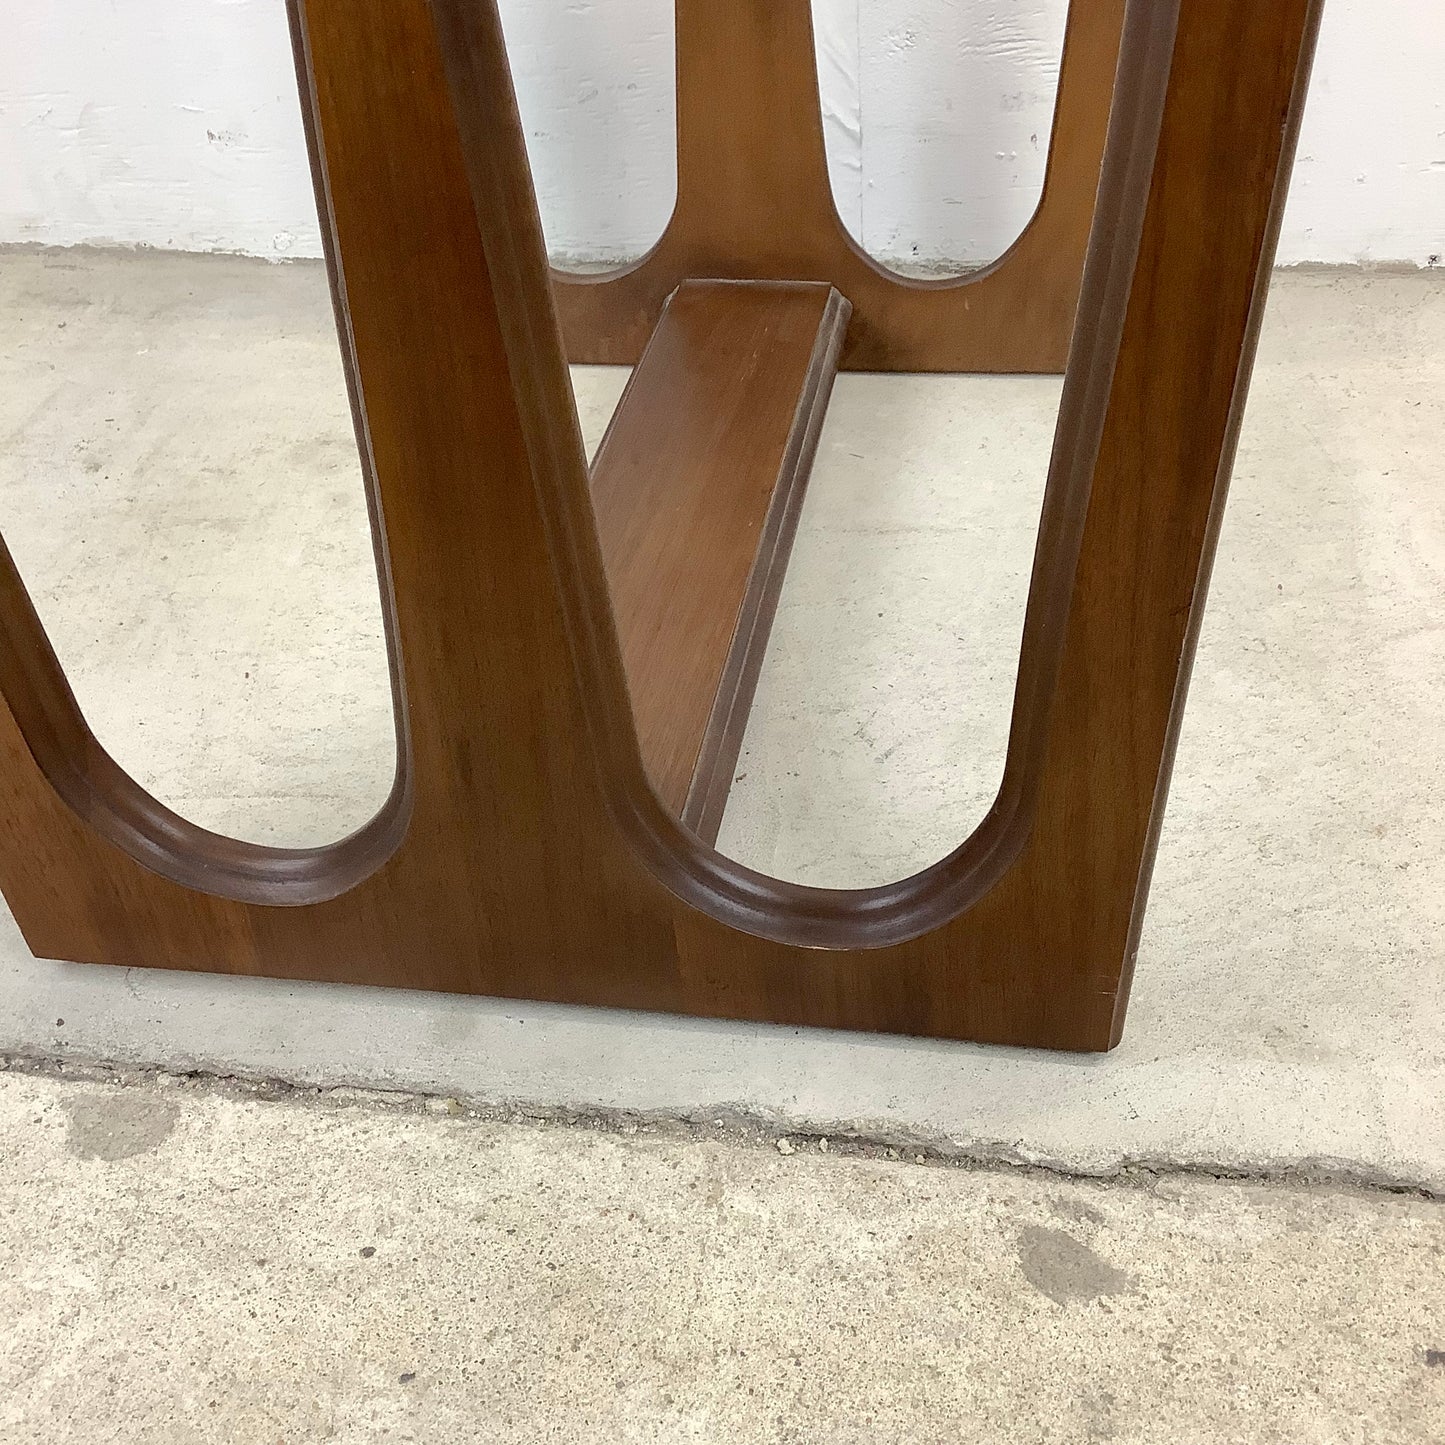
(180, 1266)
(178, 484)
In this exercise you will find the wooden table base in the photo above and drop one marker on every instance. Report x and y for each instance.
(572, 652)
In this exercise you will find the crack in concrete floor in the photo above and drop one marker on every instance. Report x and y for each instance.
(192, 1263)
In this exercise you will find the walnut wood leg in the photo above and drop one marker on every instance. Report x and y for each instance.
(524, 851)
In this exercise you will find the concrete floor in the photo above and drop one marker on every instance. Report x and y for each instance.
(182, 1260)
(181, 1265)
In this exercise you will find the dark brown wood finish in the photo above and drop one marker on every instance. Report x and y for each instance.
(523, 852)
(697, 487)
(754, 201)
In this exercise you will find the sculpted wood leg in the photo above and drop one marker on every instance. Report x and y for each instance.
(523, 851)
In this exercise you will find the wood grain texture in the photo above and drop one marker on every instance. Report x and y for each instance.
(523, 852)
(754, 202)
(697, 486)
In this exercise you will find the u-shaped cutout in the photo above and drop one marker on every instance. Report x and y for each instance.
(110, 800)
(595, 91)
(960, 104)
(717, 886)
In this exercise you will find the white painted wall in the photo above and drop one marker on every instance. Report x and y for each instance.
(174, 123)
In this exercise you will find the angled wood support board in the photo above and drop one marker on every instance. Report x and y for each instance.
(697, 487)
(523, 850)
